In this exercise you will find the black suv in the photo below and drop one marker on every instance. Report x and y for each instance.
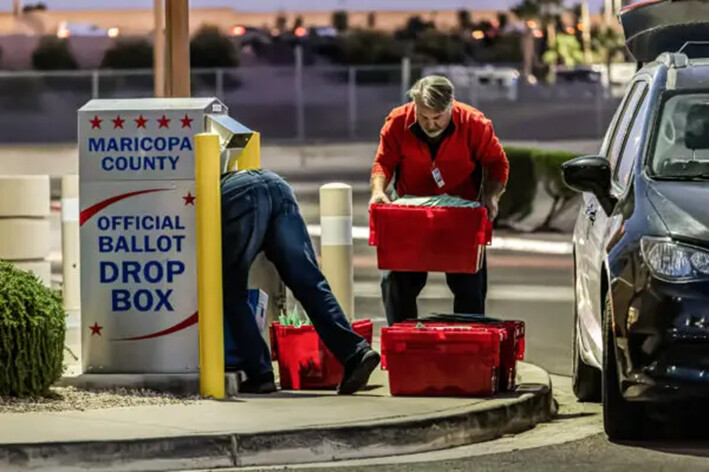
(641, 241)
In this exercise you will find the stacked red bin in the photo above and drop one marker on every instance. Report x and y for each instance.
(429, 239)
(452, 362)
(303, 360)
(442, 360)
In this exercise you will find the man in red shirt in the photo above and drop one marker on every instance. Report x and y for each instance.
(437, 145)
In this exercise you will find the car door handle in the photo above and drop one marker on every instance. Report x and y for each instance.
(591, 213)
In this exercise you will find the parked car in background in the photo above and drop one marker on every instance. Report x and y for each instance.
(66, 30)
(641, 241)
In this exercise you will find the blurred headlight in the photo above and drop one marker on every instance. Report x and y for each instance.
(674, 262)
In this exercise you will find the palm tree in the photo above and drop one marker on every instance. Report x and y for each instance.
(607, 42)
(545, 11)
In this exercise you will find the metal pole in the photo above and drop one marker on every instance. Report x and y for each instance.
(71, 276)
(299, 95)
(94, 84)
(600, 92)
(159, 48)
(405, 78)
(352, 101)
(220, 83)
(178, 48)
(473, 87)
(209, 265)
(336, 243)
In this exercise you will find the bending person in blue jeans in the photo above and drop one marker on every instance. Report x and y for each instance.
(260, 213)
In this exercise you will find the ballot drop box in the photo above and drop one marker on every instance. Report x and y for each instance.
(138, 232)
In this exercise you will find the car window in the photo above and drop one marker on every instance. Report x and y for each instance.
(619, 137)
(610, 132)
(681, 147)
(632, 141)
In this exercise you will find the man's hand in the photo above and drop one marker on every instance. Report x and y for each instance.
(491, 198)
(378, 193)
(379, 197)
(491, 202)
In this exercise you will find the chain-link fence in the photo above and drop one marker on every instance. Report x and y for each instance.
(312, 103)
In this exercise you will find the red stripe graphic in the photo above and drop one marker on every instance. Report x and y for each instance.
(93, 209)
(186, 323)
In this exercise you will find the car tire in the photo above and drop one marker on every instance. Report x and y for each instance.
(586, 379)
(622, 420)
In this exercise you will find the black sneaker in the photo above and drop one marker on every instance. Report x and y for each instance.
(260, 385)
(357, 372)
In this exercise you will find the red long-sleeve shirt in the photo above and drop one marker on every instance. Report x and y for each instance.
(470, 142)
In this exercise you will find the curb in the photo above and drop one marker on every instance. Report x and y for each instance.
(532, 403)
(178, 384)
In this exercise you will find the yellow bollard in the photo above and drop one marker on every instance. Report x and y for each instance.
(250, 157)
(209, 265)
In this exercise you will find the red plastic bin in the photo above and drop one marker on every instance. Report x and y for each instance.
(442, 361)
(511, 347)
(429, 239)
(303, 360)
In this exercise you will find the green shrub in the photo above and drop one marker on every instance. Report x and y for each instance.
(442, 48)
(518, 200)
(370, 47)
(548, 168)
(506, 48)
(210, 48)
(530, 169)
(415, 26)
(53, 53)
(32, 329)
(129, 54)
(340, 20)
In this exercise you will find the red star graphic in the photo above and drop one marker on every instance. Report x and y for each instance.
(140, 122)
(189, 199)
(118, 122)
(164, 122)
(186, 121)
(95, 329)
(96, 122)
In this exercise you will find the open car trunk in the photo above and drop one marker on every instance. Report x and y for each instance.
(654, 27)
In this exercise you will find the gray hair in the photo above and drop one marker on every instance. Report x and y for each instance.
(434, 92)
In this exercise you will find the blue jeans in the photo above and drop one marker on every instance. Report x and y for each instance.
(400, 290)
(260, 213)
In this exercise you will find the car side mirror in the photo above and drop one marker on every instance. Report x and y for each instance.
(590, 174)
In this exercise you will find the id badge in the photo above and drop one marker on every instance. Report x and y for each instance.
(438, 177)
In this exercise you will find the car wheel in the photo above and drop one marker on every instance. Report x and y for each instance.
(586, 379)
(622, 420)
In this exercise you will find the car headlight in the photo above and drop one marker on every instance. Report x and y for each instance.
(673, 261)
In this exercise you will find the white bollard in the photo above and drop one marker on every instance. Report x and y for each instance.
(24, 224)
(71, 276)
(336, 243)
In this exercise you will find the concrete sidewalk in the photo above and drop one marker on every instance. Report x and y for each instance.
(283, 428)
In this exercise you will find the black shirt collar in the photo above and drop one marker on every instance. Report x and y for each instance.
(415, 128)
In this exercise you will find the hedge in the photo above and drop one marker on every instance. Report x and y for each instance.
(32, 330)
(530, 170)
(53, 53)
